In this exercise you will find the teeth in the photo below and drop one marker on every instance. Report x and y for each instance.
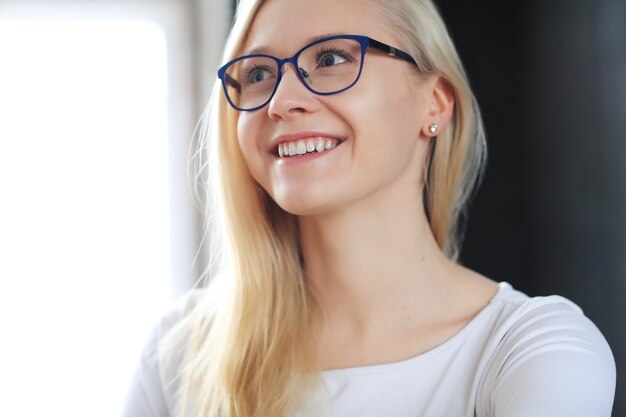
(300, 147)
(303, 147)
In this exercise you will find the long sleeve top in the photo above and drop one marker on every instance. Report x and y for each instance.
(519, 356)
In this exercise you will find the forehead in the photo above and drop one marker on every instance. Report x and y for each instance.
(284, 26)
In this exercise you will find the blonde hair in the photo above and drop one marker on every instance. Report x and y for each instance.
(456, 160)
(250, 347)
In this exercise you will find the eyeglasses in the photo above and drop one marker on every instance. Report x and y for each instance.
(327, 66)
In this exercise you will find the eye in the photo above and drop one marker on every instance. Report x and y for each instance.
(257, 74)
(329, 57)
(329, 60)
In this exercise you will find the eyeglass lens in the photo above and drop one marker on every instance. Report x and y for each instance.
(326, 67)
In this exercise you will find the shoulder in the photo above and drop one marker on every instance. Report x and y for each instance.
(546, 358)
(156, 383)
(171, 326)
(179, 312)
(168, 343)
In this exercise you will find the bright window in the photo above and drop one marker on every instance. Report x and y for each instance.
(84, 210)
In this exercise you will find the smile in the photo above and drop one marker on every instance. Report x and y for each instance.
(304, 146)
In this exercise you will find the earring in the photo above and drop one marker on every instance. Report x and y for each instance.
(433, 128)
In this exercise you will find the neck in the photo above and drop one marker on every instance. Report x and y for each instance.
(362, 261)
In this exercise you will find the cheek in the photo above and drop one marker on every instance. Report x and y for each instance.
(248, 127)
(406, 105)
(391, 114)
(387, 130)
(244, 130)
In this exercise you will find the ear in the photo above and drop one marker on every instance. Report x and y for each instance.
(441, 108)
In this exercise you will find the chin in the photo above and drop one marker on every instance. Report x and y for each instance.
(299, 209)
(303, 204)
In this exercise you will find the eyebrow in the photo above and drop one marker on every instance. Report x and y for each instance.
(262, 49)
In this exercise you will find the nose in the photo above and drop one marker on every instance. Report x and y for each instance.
(292, 99)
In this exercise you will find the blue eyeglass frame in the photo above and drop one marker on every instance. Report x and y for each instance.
(364, 41)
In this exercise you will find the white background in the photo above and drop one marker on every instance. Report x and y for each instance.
(98, 232)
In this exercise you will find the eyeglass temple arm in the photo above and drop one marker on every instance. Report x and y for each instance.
(232, 82)
(390, 50)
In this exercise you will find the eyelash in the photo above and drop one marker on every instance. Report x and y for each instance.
(248, 71)
(335, 51)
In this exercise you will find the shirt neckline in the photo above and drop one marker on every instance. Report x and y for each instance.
(504, 287)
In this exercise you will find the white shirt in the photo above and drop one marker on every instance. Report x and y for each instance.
(519, 357)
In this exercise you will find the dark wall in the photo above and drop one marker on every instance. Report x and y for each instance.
(550, 217)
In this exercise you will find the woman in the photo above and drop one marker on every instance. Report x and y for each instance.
(345, 144)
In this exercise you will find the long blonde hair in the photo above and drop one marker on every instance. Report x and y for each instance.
(251, 343)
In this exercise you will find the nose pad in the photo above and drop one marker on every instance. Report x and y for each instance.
(305, 75)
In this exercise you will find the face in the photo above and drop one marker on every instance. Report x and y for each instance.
(374, 129)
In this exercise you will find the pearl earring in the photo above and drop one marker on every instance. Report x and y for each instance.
(433, 128)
